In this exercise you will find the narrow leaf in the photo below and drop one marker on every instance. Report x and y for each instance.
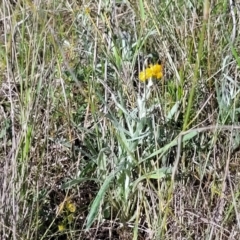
(164, 149)
(97, 201)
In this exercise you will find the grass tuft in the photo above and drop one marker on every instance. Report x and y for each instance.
(119, 120)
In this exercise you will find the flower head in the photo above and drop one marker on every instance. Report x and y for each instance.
(61, 227)
(153, 71)
(70, 206)
(87, 10)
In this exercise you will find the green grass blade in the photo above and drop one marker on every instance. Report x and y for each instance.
(97, 201)
(164, 149)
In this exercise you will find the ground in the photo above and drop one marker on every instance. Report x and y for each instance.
(119, 119)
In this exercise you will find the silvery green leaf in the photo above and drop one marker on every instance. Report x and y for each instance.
(173, 110)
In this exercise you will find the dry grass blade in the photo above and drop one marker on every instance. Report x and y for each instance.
(119, 119)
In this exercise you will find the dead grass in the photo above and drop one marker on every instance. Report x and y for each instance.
(77, 126)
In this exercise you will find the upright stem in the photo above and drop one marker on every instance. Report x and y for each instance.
(197, 65)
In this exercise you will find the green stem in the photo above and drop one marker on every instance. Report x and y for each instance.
(195, 75)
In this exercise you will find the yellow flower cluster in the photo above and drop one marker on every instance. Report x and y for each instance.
(70, 209)
(66, 205)
(70, 206)
(153, 71)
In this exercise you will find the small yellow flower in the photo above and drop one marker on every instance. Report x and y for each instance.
(144, 75)
(70, 206)
(61, 227)
(87, 10)
(159, 75)
(154, 71)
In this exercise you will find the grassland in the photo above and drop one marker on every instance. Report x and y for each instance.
(88, 151)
